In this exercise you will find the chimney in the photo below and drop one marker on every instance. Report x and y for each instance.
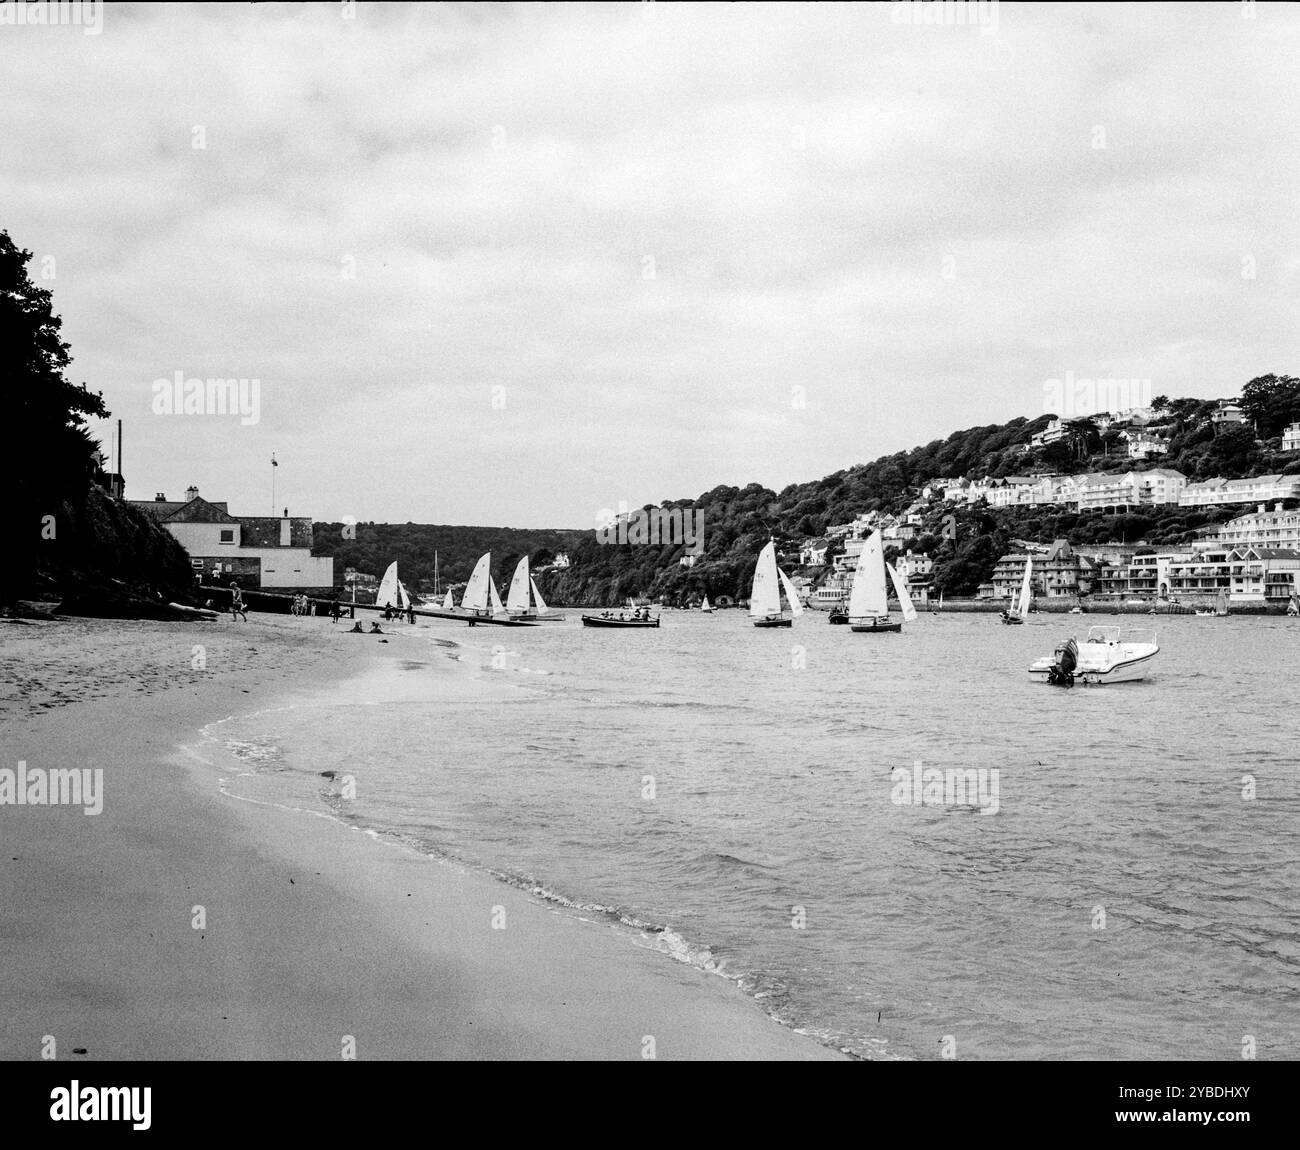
(191, 492)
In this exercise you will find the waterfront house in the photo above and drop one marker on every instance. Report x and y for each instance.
(259, 552)
(1291, 438)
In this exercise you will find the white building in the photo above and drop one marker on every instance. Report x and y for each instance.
(1143, 446)
(1270, 530)
(1260, 489)
(1159, 486)
(258, 552)
(1291, 438)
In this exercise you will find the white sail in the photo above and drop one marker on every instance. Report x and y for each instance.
(1222, 608)
(1026, 592)
(517, 597)
(796, 608)
(476, 590)
(904, 599)
(765, 594)
(498, 608)
(386, 596)
(448, 604)
(704, 603)
(404, 598)
(867, 598)
(537, 597)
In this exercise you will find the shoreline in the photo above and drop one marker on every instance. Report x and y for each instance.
(310, 930)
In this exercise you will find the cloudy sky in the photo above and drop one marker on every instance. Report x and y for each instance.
(511, 265)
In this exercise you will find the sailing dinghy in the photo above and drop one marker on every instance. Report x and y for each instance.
(524, 600)
(1017, 611)
(483, 601)
(765, 594)
(868, 598)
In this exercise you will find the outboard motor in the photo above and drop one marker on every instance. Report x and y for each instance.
(1067, 658)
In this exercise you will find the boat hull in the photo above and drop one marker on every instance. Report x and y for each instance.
(838, 617)
(1124, 671)
(597, 621)
(773, 622)
(870, 628)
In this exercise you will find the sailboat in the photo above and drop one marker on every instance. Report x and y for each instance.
(524, 599)
(1220, 608)
(765, 595)
(392, 591)
(904, 599)
(1016, 612)
(448, 604)
(483, 601)
(868, 599)
(705, 607)
(1293, 608)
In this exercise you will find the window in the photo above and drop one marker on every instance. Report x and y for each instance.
(227, 535)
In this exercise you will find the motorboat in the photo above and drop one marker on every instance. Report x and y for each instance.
(1106, 655)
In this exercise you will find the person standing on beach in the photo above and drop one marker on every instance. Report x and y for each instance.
(237, 603)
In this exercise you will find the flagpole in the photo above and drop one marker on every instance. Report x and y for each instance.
(274, 465)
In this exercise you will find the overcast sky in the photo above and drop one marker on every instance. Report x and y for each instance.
(646, 225)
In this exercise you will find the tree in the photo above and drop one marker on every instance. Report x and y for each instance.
(1272, 402)
(48, 416)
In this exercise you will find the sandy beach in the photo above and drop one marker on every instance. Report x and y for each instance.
(313, 939)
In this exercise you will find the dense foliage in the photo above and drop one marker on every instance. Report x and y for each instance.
(66, 530)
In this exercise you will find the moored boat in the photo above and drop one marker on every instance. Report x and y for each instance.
(1106, 655)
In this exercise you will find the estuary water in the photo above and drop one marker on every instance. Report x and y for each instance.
(1125, 886)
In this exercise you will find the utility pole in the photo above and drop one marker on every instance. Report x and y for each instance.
(274, 465)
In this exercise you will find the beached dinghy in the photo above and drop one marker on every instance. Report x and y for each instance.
(524, 600)
(482, 601)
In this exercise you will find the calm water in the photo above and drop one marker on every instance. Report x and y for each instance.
(772, 852)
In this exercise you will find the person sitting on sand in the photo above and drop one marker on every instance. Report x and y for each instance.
(356, 628)
(376, 629)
